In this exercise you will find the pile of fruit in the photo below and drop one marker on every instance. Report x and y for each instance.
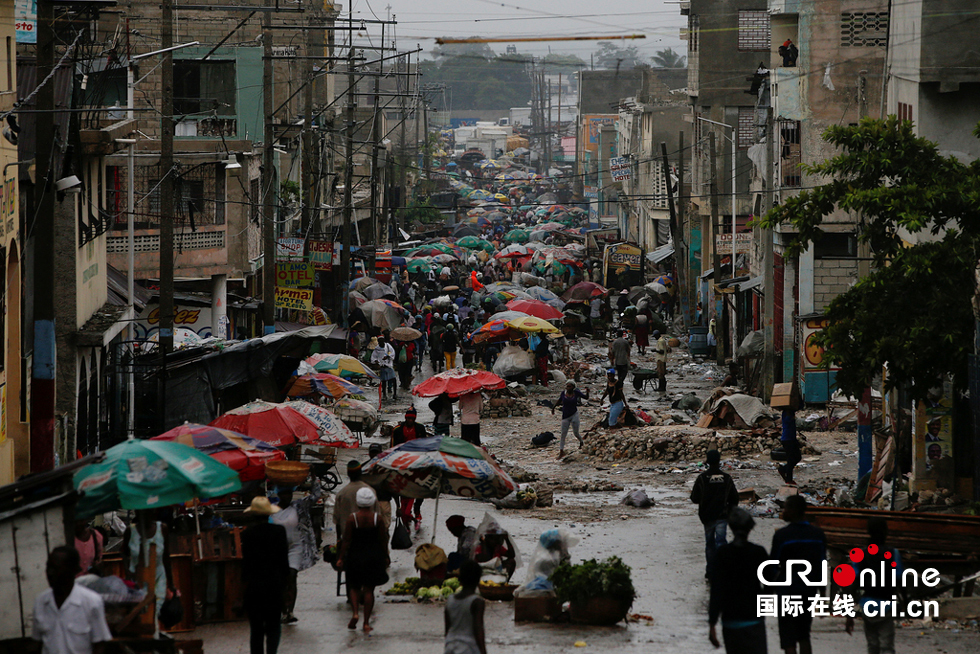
(408, 587)
(436, 593)
(486, 583)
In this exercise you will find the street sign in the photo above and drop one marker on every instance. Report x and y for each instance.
(743, 243)
(294, 298)
(321, 255)
(289, 249)
(619, 168)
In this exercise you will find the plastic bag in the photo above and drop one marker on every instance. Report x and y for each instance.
(512, 360)
(490, 526)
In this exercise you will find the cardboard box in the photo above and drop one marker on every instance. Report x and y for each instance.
(785, 396)
(535, 609)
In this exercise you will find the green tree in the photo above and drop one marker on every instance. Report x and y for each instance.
(668, 59)
(563, 63)
(611, 56)
(479, 83)
(913, 311)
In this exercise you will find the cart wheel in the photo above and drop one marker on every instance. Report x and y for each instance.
(330, 480)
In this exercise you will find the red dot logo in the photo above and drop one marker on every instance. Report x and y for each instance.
(887, 555)
(844, 575)
(894, 564)
(856, 555)
(872, 549)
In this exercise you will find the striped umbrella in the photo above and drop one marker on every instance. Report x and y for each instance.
(245, 455)
(323, 383)
(340, 364)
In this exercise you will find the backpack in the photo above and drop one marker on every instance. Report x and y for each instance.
(403, 354)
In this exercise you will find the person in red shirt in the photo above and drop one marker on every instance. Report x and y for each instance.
(409, 430)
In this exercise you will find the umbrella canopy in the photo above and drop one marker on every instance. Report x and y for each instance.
(583, 291)
(495, 330)
(138, 474)
(339, 364)
(470, 242)
(417, 265)
(322, 383)
(466, 230)
(501, 286)
(550, 226)
(426, 467)
(405, 334)
(379, 291)
(245, 455)
(508, 315)
(287, 423)
(542, 294)
(362, 283)
(535, 308)
(480, 194)
(512, 251)
(666, 282)
(517, 236)
(459, 381)
(495, 216)
(384, 314)
(501, 197)
(444, 258)
(357, 298)
(532, 324)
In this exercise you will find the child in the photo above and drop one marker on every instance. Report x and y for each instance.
(464, 614)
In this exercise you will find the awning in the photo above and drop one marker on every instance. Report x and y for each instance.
(755, 282)
(661, 253)
(708, 273)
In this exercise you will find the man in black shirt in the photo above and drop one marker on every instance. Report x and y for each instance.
(715, 494)
(799, 540)
(735, 589)
(265, 569)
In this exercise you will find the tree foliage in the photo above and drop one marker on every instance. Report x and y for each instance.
(913, 311)
(563, 63)
(668, 59)
(613, 57)
(478, 77)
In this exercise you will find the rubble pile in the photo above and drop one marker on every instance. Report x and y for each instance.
(666, 444)
(505, 407)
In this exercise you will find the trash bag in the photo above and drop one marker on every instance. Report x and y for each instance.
(637, 498)
(543, 439)
(552, 550)
(400, 538)
(524, 497)
(689, 402)
(171, 612)
(512, 360)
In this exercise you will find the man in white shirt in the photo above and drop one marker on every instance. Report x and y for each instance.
(68, 618)
(470, 406)
(384, 356)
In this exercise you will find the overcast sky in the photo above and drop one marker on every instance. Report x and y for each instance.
(420, 21)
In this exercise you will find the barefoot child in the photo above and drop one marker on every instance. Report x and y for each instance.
(464, 615)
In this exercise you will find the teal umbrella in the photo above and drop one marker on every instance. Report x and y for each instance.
(139, 474)
(418, 265)
(470, 242)
(516, 236)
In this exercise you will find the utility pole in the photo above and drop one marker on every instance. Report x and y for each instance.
(426, 152)
(348, 182)
(167, 185)
(269, 191)
(768, 269)
(675, 228)
(692, 272)
(306, 217)
(720, 310)
(402, 159)
(375, 175)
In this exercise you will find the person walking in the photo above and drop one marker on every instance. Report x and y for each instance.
(364, 557)
(642, 330)
(791, 445)
(450, 343)
(406, 363)
(879, 626)
(345, 503)
(661, 352)
(735, 589)
(266, 573)
(470, 406)
(384, 357)
(619, 355)
(464, 613)
(798, 540)
(437, 355)
(442, 407)
(409, 430)
(295, 517)
(135, 559)
(569, 400)
(715, 494)
(69, 618)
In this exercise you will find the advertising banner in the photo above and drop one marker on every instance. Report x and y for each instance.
(294, 298)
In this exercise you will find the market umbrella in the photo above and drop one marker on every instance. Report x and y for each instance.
(331, 430)
(287, 423)
(542, 294)
(583, 292)
(666, 281)
(459, 381)
(245, 455)
(532, 324)
(480, 194)
(512, 251)
(470, 242)
(322, 383)
(357, 298)
(466, 230)
(495, 330)
(418, 265)
(427, 467)
(384, 314)
(379, 291)
(501, 197)
(494, 216)
(147, 474)
(535, 308)
(342, 365)
(405, 334)
(508, 315)
(444, 258)
(362, 283)
(500, 286)
(516, 236)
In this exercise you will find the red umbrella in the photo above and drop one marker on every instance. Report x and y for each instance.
(583, 291)
(536, 308)
(246, 456)
(276, 424)
(459, 381)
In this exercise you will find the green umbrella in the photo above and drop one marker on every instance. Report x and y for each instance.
(487, 246)
(139, 474)
(418, 265)
(470, 242)
(516, 236)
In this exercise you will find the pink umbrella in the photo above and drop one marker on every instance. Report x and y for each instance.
(459, 381)
(536, 308)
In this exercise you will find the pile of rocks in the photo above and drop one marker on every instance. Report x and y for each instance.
(505, 407)
(680, 444)
(588, 487)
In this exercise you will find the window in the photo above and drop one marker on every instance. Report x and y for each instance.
(695, 33)
(861, 29)
(753, 30)
(204, 87)
(790, 154)
(835, 246)
(905, 111)
(188, 198)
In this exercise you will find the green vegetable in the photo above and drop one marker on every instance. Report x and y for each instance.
(579, 583)
(422, 593)
(447, 591)
(453, 583)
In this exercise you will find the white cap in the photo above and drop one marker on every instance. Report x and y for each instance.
(365, 497)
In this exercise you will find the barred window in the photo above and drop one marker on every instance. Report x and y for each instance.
(862, 29)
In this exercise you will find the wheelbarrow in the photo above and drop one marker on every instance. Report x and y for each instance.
(642, 377)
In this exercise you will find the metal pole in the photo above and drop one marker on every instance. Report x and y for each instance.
(719, 305)
(769, 288)
(348, 192)
(130, 283)
(268, 184)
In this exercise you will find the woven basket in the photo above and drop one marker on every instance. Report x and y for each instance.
(286, 473)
